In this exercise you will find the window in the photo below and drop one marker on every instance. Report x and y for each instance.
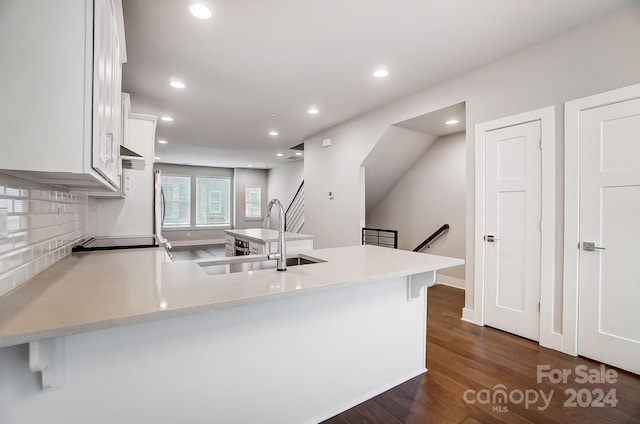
(216, 201)
(253, 202)
(177, 197)
(213, 201)
(192, 201)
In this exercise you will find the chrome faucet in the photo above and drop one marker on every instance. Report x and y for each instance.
(281, 254)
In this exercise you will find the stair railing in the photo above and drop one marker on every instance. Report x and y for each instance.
(432, 238)
(294, 215)
(380, 237)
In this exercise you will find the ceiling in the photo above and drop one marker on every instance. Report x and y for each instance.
(435, 123)
(255, 58)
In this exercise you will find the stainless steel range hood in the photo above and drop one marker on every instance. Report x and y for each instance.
(131, 160)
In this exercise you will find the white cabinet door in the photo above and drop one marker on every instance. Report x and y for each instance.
(609, 279)
(107, 77)
(256, 248)
(229, 245)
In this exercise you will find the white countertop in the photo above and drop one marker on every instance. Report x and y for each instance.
(103, 289)
(262, 235)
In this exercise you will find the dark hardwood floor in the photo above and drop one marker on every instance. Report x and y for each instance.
(465, 358)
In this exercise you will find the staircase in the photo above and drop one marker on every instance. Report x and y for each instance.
(294, 216)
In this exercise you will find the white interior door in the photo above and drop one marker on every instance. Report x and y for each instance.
(609, 271)
(512, 229)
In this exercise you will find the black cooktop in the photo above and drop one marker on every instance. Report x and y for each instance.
(111, 243)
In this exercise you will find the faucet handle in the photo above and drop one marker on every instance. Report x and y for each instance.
(273, 256)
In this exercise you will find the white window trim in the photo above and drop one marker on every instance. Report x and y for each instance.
(194, 189)
(253, 218)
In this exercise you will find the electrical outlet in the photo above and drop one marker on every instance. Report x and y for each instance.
(4, 222)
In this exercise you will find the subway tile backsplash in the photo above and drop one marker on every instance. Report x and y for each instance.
(38, 226)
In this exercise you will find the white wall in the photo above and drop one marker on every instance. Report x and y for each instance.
(254, 178)
(391, 158)
(133, 215)
(594, 58)
(283, 182)
(430, 194)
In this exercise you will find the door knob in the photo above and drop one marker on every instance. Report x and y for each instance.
(489, 238)
(590, 246)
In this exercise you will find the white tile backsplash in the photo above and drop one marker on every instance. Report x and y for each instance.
(43, 224)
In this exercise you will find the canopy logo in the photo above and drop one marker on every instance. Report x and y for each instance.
(499, 397)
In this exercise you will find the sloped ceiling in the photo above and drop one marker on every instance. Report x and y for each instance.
(402, 145)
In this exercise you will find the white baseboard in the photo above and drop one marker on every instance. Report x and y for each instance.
(450, 281)
(468, 315)
(196, 242)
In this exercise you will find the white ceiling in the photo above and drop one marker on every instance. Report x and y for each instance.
(253, 58)
(435, 123)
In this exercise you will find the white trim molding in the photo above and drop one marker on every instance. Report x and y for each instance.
(546, 116)
(468, 315)
(572, 110)
(445, 280)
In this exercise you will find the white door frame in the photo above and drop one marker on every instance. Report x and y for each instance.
(548, 337)
(571, 276)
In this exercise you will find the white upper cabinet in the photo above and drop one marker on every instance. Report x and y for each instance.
(60, 112)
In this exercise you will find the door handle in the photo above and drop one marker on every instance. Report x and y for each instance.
(489, 238)
(590, 246)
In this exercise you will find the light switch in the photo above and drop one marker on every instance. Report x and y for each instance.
(331, 195)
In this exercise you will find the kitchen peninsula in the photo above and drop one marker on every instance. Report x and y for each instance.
(165, 342)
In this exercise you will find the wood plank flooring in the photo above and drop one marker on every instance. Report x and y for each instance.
(463, 356)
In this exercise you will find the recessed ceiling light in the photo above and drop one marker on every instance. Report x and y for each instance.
(452, 122)
(167, 119)
(199, 10)
(298, 153)
(273, 132)
(313, 110)
(381, 72)
(163, 142)
(279, 155)
(177, 84)
(274, 114)
(250, 166)
(157, 158)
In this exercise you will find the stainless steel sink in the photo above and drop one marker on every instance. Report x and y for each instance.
(251, 263)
